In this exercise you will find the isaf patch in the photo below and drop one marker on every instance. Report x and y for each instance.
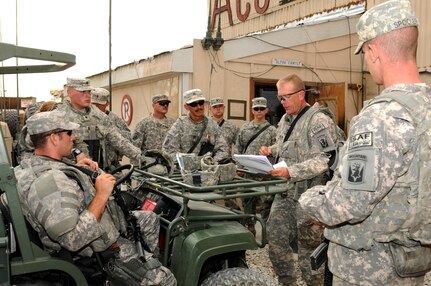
(364, 139)
(317, 128)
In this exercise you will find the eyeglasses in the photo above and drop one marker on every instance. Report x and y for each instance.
(163, 103)
(68, 132)
(287, 96)
(259, 108)
(196, 103)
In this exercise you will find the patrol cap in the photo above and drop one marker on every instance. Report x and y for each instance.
(216, 101)
(42, 122)
(80, 84)
(259, 102)
(99, 95)
(160, 97)
(384, 18)
(193, 95)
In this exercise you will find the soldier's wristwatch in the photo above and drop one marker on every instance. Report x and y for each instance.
(76, 152)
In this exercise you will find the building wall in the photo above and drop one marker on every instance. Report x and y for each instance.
(326, 50)
(274, 16)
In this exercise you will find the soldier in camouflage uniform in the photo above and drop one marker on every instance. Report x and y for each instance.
(186, 131)
(246, 144)
(25, 146)
(366, 204)
(96, 128)
(229, 129)
(150, 132)
(248, 130)
(69, 212)
(100, 99)
(303, 149)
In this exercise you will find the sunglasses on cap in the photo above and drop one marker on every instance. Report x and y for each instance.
(196, 103)
(259, 108)
(163, 103)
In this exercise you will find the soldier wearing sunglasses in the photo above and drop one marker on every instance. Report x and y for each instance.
(251, 137)
(195, 132)
(151, 131)
(305, 136)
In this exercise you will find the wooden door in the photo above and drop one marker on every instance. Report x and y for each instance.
(333, 95)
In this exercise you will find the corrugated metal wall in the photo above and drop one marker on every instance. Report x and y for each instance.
(277, 15)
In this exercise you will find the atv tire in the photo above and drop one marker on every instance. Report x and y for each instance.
(237, 277)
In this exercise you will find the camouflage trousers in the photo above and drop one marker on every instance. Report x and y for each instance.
(288, 224)
(128, 269)
(149, 226)
(258, 205)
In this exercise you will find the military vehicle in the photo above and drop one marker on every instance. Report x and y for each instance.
(201, 241)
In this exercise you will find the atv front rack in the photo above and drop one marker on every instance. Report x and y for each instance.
(239, 187)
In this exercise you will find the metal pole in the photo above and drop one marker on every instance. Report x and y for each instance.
(17, 77)
(110, 55)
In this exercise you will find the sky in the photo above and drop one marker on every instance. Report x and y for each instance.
(140, 29)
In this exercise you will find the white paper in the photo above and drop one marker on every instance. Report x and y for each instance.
(254, 163)
(280, 164)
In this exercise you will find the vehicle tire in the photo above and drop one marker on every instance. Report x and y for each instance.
(237, 277)
(12, 119)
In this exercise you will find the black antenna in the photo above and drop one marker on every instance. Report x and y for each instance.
(208, 40)
(218, 41)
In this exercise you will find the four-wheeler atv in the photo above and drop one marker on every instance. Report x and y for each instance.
(202, 242)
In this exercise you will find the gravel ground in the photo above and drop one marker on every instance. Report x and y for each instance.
(258, 260)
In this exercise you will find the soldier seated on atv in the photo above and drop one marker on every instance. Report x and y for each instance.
(70, 212)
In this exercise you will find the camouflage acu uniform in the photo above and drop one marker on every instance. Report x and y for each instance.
(307, 163)
(55, 197)
(366, 203)
(229, 131)
(185, 132)
(113, 156)
(247, 131)
(261, 204)
(24, 145)
(97, 128)
(150, 132)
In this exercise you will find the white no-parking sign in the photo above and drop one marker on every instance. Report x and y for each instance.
(127, 109)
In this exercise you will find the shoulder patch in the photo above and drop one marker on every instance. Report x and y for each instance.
(318, 127)
(358, 170)
(356, 166)
(323, 141)
(364, 139)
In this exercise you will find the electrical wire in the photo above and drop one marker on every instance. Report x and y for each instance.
(299, 51)
(215, 60)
